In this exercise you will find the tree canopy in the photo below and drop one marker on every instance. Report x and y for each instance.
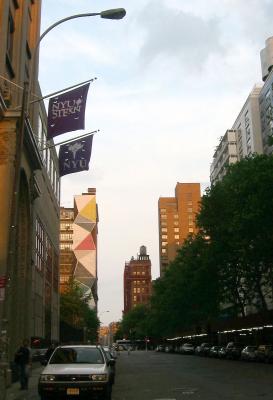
(76, 313)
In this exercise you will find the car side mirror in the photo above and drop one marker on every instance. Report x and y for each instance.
(111, 362)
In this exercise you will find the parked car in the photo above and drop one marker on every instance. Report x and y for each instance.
(249, 353)
(264, 353)
(38, 355)
(112, 365)
(75, 371)
(204, 349)
(222, 352)
(233, 350)
(187, 348)
(197, 350)
(214, 351)
(168, 349)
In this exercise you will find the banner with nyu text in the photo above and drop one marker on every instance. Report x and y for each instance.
(75, 156)
(66, 112)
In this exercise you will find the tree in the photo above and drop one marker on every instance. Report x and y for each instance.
(134, 324)
(237, 215)
(187, 296)
(76, 315)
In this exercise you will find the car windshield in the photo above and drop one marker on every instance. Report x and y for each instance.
(77, 355)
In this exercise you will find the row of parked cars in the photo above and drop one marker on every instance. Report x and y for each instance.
(232, 351)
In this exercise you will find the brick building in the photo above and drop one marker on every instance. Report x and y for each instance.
(137, 280)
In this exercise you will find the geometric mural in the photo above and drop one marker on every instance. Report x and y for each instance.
(84, 244)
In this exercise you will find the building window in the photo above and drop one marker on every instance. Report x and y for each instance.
(164, 230)
(10, 36)
(176, 229)
(191, 230)
(163, 216)
(164, 236)
(176, 236)
(134, 290)
(175, 216)
(143, 272)
(190, 209)
(163, 223)
(164, 244)
(175, 223)
(163, 210)
(163, 251)
(134, 298)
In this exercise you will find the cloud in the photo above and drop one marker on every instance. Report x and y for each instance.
(181, 36)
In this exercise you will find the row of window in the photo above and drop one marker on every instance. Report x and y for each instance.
(140, 290)
(66, 236)
(139, 273)
(65, 226)
(139, 283)
(66, 246)
(49, 159)
(46, 259)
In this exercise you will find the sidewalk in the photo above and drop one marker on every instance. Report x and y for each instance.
(14, 392)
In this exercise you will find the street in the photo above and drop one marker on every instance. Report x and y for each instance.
(159, 376)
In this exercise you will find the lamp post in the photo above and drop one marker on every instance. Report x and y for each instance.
(115, 14)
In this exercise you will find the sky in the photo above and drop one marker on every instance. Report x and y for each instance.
(172, 76)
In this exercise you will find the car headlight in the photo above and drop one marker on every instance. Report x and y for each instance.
(47, 378)
(98, 377)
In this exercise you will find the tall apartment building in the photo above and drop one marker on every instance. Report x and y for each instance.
(242, 140)
(137, 280)
(266, 95)
(29, 231)
(78, 245)
(225, 154)
(177, 219)
(67, 260)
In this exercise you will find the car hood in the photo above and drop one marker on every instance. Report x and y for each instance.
(70, 369)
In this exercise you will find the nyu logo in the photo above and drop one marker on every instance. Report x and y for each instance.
(75, 156)
(64, 108)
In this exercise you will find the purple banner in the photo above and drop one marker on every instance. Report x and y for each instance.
(75, 156)
(66, 112)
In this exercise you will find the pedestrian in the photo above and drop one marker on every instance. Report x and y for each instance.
(23, 360)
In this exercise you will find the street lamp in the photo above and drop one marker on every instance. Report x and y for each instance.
(115, 13)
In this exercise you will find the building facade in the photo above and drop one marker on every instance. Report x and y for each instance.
(29, 210)
(78, 245)
(225, 154)
(137, 280)
(244, 139)
(177, 220)
(67, 259)
(266, 96)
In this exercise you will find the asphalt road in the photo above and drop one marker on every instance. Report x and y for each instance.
(159, 376)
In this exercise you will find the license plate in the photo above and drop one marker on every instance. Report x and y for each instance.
(73, 391)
